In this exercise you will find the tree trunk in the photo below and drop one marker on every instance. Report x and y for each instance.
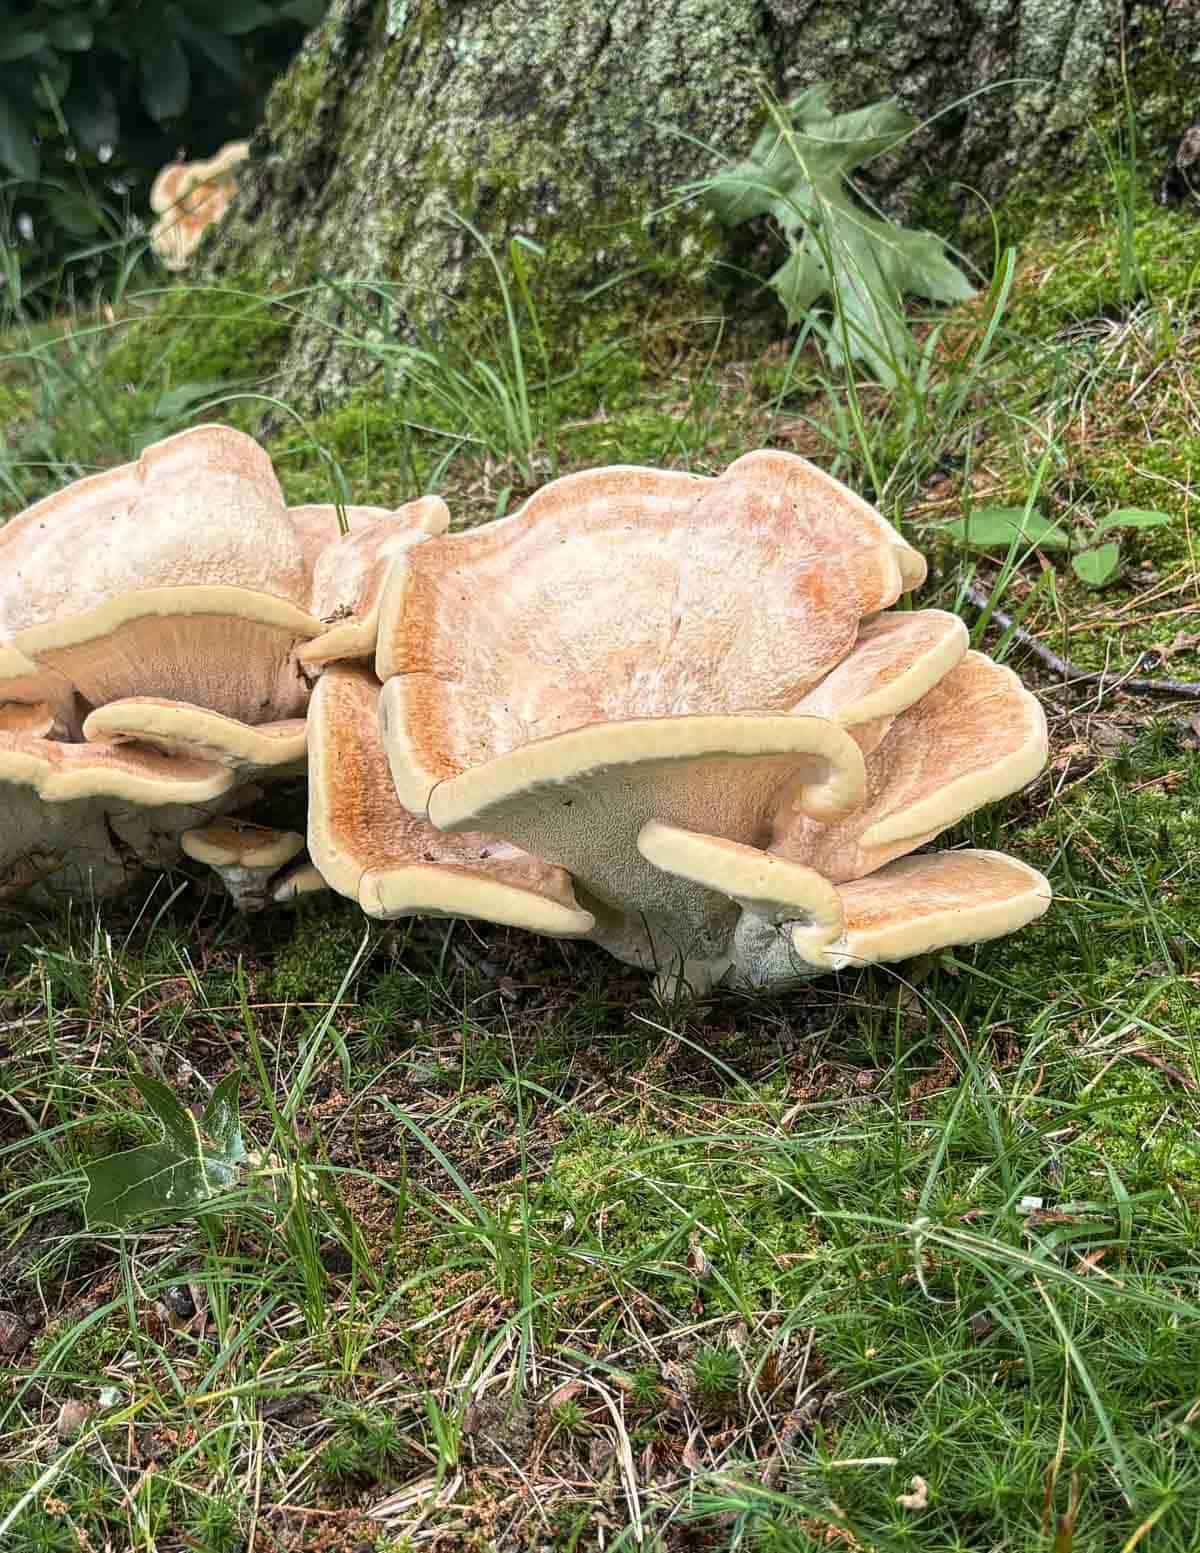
(571, 122)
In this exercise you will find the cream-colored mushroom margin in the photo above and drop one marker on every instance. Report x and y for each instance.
(367, 846)
(188, 197)
(83, 818)
(298, 883)
(178, 728)
(247, 858)
(179, 576)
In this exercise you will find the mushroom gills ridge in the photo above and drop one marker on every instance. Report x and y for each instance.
(693, 698)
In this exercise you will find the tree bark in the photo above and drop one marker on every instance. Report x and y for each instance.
(571, 123)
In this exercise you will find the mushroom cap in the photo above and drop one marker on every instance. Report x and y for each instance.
(625, 593)
(238, 844)
(936, 901)
(34, 718)
(977, 735)
(171, 183)
(223, 648)
(317, 525)
(180, 728)
(367, 846)
(22, 682)
(189, 197)
(60, 773)
(200, 509)
(349, 576)
(304, 879)
(179, 576)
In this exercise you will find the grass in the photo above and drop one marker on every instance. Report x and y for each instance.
(523, 1258)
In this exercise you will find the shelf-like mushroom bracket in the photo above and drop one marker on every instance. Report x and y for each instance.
(367, 846)
(694, 697)
(247, 858)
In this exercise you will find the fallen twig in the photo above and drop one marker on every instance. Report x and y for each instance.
(1076, 676)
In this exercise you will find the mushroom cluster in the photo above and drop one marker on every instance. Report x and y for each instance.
(160, 624)
(681, 718)
(188, 197)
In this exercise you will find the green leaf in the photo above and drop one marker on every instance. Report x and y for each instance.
(1132, 517)
(307, 12)
(179, 400)
(796, 173)
(20, 45)
(76, 214)
(1098, 566)
(91, 113)
(163, 79)
(74, 33)
(17, 149)
(178, 1175)
(995, 528)
(233, 17)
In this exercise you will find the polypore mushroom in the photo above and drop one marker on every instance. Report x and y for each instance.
(84, 819)
(690, 696)
(247, 858)
(188, 197)
(367, 846)
(162, 607)
(297, 884)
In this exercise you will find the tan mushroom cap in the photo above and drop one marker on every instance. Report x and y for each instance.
(240, 844)
(317, 525)
(60, 773)
(349, 576)
(220, 647)
(200, 509)
(189, 197)
(936, 901)
(303, 880)
(897, 658)
(770, 887)
(368, 847)
(630, 593)
(181, 728)
(976, 736)
(21, 681)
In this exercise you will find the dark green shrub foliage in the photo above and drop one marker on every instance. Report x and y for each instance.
(96, 95)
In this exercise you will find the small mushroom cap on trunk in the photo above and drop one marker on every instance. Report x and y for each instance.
(349, 576)
(189, 197)
(180, 728)
(936, 901)
(240, 844)
(977, 736)
(61, 773)
(630, 593)
(368, 847)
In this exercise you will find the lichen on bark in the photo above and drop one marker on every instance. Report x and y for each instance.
(572, 125)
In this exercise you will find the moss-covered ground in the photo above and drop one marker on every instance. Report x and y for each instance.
(522, 1258)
